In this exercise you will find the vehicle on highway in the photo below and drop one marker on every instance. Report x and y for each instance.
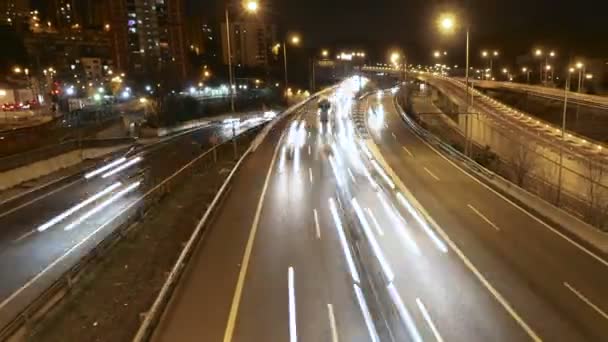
(324, 108)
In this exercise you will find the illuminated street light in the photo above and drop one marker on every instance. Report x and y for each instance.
(17, 70)
(325, 53)
(436, 54)
(589, 76)
(252, 6)
(447, 22)
(579, 65)
(295, 40)
(395, 56)
(505, 70)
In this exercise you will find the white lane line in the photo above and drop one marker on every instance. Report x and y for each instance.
(543, 223)
(317, 227)
(24, 235)
(37, 198)
(382, 173)
(587, 301)
(483, 217)
(373, 334)
(343, 242)
(432, 174)
(374, 221)
(293, 335)
(386, 268)
(407, 151)
(429, 321)
(309, 150)
(404, 313)
(429, 232)
(310, 175)
(238, 292)
(332, 323)
(394, 136)
(350, 173)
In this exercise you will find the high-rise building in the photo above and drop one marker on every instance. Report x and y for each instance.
(250, 43)
(146, 34)
(63, 14)
(12, 11)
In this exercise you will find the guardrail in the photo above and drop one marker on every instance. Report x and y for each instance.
(582, 231)
(154, 314)
(58, 287)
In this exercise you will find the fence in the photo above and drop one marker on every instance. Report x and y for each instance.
(528, 162)
(49, 287)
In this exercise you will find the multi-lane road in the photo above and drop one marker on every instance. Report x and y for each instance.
(46, 232)
(326, 236)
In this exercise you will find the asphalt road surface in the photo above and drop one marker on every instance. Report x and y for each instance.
(37, 244)
(319, 240)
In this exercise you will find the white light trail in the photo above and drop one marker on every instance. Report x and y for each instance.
(386, 268)
(431, 234)
(343, 243)
(122, 167)
(77, 207)
(367, 316)
(429, 321)
(383, 174)
(404, 314)
(105, 168)
(335, 170)
(103, 205)
(399, 221)
(293, 335)
(374, 221)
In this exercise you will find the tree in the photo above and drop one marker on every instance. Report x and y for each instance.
(523, 161)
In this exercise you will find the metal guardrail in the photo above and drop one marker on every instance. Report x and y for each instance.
(154, 314)
(132, 213)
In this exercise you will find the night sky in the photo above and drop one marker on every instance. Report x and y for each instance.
(573, 28)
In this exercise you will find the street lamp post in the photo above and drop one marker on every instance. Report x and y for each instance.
(295, 40)
(561, 146)
(251, 6)
(447, 23)
(527, 71)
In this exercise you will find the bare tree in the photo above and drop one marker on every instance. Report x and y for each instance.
(523, 161)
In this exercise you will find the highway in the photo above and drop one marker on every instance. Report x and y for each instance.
(297, 237)
(46, 232)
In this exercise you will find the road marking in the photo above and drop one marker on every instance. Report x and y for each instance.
(505, 304)
(408, 151)
(310, 175)
(428, 320)
(374, 221)
(350, 173)
(483, 217)
(332, 323)
(373, 334)
(37, 198)
(349, 258)
(587, 301)
(25, 235)
(560, 234)
(293, 335)
(394, 136)
(317, 228)
(432, 174)
(236, 300)
(404, 313)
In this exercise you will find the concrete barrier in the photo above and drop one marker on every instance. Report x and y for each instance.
(16, 176)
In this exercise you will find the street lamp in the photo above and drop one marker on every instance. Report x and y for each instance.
(325, 53)
(490, 55)
(447, 24)
(295, 40)
(527, 71)
(581, 71)
(250, 6)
